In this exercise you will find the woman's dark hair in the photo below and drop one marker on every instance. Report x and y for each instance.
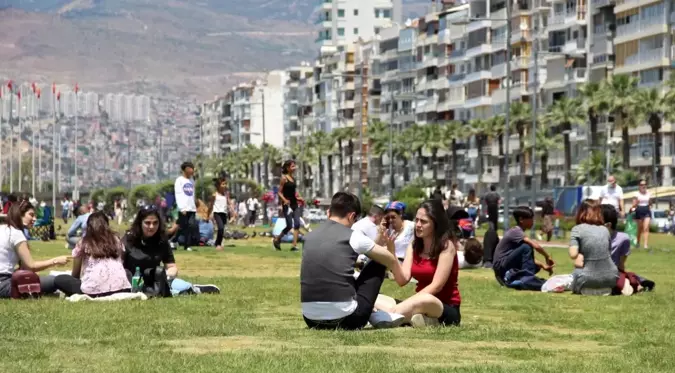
(135, 233)
(472, 195)
(285, 168)
(473, 251)
(16, 212)
(442, 232)
(219, 180)
(610, 216)
(100, 242)
(590, 213)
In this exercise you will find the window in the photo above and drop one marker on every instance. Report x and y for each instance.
(341, 13)
(356, 31)
(341, 31)
(386, 13)
(356, 12)
(377, 13)
(377, 30)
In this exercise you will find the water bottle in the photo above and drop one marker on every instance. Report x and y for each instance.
(136, 281)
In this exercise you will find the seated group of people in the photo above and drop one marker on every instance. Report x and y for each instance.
(103, 263)
(332, 297)
(599, 253)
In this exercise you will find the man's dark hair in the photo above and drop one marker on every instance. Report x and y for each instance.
(473, 251)
(522, 213)
(343, 203)
(376, 210)
(186, 165)
(610, 216)
(493, 188)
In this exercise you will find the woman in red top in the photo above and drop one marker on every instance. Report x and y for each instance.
(432, 260)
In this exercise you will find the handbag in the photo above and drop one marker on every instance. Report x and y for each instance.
(25, 284)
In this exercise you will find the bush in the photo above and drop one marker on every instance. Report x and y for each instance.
(165, 187)
(97, 196)
(143, 191)
(252, 187)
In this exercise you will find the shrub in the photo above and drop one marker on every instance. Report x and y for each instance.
(143, 191)
(98, 195)
(252, 187)
(113, 194)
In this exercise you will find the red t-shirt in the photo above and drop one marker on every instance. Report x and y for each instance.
(423, 271)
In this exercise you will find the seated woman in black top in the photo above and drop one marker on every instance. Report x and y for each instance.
(148, 249)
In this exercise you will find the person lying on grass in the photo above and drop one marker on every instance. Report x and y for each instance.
(432, 260)
(14, 249)
(470, 254)
(331, 297)
(147, 248)
(515, 251)
(97, 265)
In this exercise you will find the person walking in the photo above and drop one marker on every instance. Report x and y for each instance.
(643, 214)
(290, 204)
(612, 194)
(184, 188)
(492, 201)
(219, 207)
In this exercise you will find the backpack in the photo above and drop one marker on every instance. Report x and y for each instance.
(25, 284)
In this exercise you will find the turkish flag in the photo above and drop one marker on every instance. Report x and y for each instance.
(77, 88)
(9, 85)
(54, 88)
(33, 87)
(18, 94)
(39, 93)
(58, 96)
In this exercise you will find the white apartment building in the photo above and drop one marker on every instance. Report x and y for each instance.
(295, 107)
(343, 22)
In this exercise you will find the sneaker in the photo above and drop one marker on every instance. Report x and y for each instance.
(294, 248)
(277, 245)
(421, 321)
(386, 320)
(207, 289)
(189, 249)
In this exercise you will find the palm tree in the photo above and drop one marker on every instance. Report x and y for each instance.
(521, 117)
(322, 144)
(436, 139)
(653, 107)
(340, 135)
(454, 131)
(274, 156)
(419, 141)
(378, 138)
(480, 129)
(619, 93)
(592, 169)
(563, 114)
(546, 142)
(495, 129)
(251, 156)
(403, 149)
(593, 100)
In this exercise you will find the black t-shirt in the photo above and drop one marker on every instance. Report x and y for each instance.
(492, 202)
(150, 254)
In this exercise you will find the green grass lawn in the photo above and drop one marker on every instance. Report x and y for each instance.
(255, 325)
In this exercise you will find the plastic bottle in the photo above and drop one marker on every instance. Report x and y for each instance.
(136, 281)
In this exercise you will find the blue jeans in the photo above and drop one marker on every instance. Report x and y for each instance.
(72, 241)
(522, 258)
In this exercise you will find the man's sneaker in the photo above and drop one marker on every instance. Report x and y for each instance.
(385, 320)
(421, 321)
(207, 289)
(277, 244)
(294, 248)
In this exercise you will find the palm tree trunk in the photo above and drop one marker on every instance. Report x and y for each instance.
(380, 172)
(521, 147)
(406, 171)
(502, 160)
(479, 145)
(453, 172)
(329, 161)
(593, 129)
(320, 174)
(626, 147)
(568, 158)
(351, 163)
(544, 170)
(655, 123)
(434, 165)
(420, 170)
(342, 165)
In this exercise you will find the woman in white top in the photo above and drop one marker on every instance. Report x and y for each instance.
(219, 208)
(404, 230)
(14, 250)
(643, 213)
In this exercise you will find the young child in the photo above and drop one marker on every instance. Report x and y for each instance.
(516, 252)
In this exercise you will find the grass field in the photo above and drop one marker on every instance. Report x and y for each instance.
(255, 325)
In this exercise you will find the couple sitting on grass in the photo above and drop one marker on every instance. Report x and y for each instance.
(598, 250)
(102, 263)
(333, 299)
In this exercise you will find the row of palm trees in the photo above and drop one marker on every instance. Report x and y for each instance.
(617, 98)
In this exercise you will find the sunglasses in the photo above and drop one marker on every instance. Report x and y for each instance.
(151, 208)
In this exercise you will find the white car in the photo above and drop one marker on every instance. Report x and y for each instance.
(661, 220)
(315, 215)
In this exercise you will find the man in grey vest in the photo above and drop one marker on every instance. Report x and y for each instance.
(331, 297)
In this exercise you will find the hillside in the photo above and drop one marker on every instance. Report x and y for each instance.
(176, 47)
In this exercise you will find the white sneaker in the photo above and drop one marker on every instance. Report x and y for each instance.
(421, 321)
(385, 320)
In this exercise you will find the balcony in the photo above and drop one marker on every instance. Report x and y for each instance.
(574, 46)
(654, 57)
(477, 25)
(601, 3)
(498, 70)
(641, 29)
(430, 61)
(562, 19)
(456, 79)
(623, 5)
(478, 101)
(520, 62)
(576, 75)
(478, 50)
(456, 55)
(479, 74)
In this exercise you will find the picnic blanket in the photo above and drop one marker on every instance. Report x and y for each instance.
(109, 298)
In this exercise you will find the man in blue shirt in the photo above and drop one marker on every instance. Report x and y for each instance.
(79, 224)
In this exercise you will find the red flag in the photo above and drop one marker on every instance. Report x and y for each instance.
(9, 85)
(58, 96)
(39, 93)
(18, 94)
(54, 88)
(77, 88)
(33, 87)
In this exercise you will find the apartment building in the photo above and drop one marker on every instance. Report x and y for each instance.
(343, 22)
(295, 107)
